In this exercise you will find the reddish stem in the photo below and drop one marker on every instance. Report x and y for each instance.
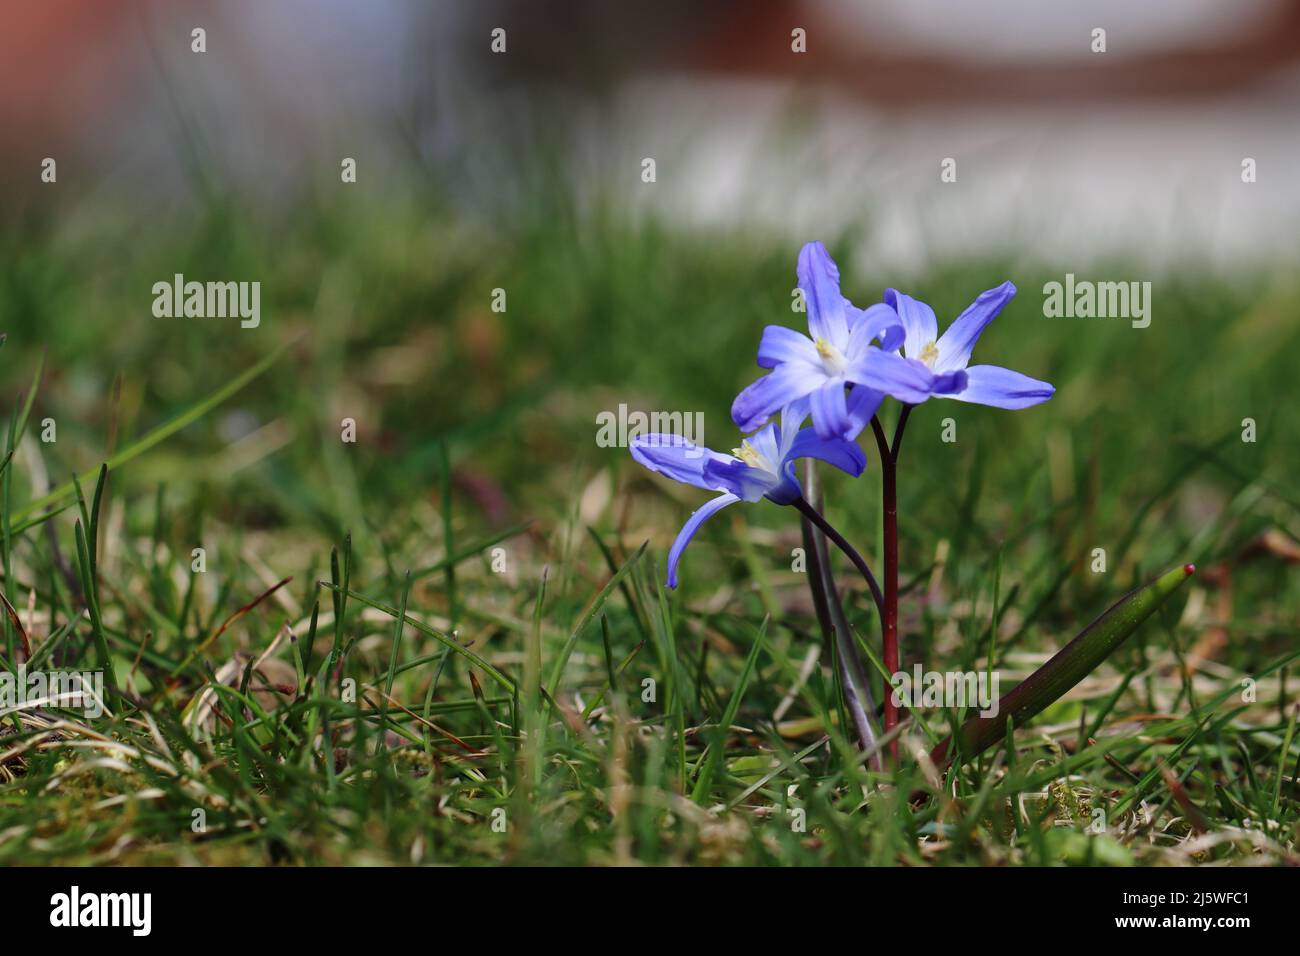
(889, 496)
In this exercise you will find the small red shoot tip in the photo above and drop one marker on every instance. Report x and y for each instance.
(1189, 569)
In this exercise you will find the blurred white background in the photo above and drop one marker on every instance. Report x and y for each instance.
(1061, 153)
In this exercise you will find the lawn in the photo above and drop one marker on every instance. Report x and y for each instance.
(546, 699)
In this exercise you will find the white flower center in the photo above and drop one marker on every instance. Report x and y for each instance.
(930, 354)
(832, 358)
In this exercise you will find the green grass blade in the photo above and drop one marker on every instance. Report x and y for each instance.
(718, 748)
(592, 610)
(437, 635)
(162, 432)
(1067, 667)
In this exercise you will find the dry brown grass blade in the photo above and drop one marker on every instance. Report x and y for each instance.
(1195, 816)
(18, 626)
(393, 701)
(1271, 543)
(221, 629)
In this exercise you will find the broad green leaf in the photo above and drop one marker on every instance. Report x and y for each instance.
(1068, 666)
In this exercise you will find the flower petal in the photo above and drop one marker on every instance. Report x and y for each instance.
(1002, 388)
(919, 324)
(844, 455)
(738, 478)
(796, 412)
(779, 345)
(676, 458)
(692, 525)
(830, 412)
(764, 441)
(949, 383)
(905, 379)
(787, 490)
(783, 385)
(819, 278)
(792, 417)
(863, 402)
(878, 322)
(957, 342)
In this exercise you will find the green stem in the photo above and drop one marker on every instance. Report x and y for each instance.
(840, 643)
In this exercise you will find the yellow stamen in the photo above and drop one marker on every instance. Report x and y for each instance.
(930, 354)
(824, 348)
(748, 454)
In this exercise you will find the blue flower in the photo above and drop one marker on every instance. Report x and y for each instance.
(813, 371)
(762, 467)
(949, 354)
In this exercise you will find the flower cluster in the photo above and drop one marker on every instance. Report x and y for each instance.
(839, 374)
